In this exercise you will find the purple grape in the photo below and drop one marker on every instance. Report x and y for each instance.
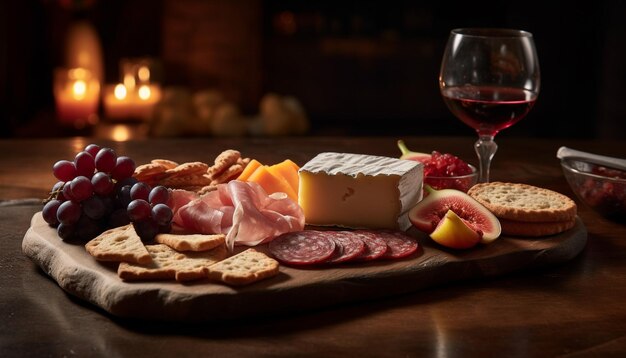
(87, 228)
(162, 214)
(159, 195)
(68, 213)
(140, 191)
(92, 149)
(58, 186)
(164, 229)
(102, 184)
(128, 181)
(49, 212)
(124, 168)
(67, 191)
(118, 218)
(64, 170)
(106, 160)
(65, 231)
(109, 205)
(138, 210)
(58, 189)
(81, 188)
(94, 207)
(85, 164)
(123, 197)
(146, 229)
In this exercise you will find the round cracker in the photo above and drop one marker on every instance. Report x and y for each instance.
(522, 202)
(535, 229)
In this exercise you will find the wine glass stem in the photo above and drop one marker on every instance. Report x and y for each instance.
(485, 149)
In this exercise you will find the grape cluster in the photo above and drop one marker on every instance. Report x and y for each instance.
(96, 191)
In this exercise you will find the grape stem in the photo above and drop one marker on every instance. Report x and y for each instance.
(54, 194)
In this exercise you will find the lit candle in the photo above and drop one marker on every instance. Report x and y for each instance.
(148, 96)
(76, 95)
(122, 103)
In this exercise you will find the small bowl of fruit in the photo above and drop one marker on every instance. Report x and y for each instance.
(601, 187)
(443, 170)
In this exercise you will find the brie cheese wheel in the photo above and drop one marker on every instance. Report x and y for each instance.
(359, 191)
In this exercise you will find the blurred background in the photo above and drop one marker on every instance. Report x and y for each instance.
(290, 67)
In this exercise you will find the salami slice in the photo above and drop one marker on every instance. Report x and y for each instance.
(306, 247)
(375, 247)
(399, 244)
(348, 246)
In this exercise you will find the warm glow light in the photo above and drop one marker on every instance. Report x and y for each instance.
(120, 91)
(143, 74)
(78, 74)
(129, 81)
(120, 133)
(144, 92)
(79, 89)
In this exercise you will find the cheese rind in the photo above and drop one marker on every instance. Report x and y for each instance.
(359, 191)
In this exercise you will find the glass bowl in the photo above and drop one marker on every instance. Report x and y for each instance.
(601, 188)
(462, 182)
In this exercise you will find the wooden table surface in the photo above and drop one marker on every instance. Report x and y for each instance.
(573, 309)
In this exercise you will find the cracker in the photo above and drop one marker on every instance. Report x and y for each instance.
(194, 242)
(170, 264)
(119, 244)
(230, 173)
(149, 171)
(535, 229)
(244, 268)
(185, 169)
(223, 161)
(186, 181)
(168, 164)
(522, 202)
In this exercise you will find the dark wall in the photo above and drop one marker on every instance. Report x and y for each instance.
(359, 67)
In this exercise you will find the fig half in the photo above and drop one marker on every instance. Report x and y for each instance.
(427, 214)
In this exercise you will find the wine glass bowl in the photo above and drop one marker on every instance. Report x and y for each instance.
(489, 80)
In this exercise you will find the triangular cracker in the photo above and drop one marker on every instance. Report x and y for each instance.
(169, 264)
(119, 244)
(194, 242)
(244, 268)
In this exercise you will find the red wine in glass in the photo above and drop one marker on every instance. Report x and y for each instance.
(489, 79)
(488, 109)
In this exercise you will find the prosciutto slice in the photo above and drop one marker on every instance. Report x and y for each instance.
(241, 210)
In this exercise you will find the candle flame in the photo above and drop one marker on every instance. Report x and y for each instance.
(129, 81)
(79, 89)
(144, 92)
(144, 74)
(120, 91)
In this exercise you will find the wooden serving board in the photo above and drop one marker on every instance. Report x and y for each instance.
(293, 289)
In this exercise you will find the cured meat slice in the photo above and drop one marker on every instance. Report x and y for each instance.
(348, 246)
(399, 245)
(240, 210)
(375, 247)
(302, 247)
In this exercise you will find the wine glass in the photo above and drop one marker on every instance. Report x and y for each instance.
(489, 79)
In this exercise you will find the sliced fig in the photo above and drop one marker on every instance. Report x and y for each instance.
(427, 214)
(409, 155)
(456, 233)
